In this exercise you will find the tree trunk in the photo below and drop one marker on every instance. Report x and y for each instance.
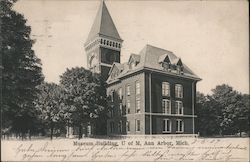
(51, 132)
(80, 132)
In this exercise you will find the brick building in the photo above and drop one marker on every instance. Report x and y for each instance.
(152, 93)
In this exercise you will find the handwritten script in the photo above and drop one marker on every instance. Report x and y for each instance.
(131, 149)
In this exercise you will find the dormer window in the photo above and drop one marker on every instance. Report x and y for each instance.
(166, 66)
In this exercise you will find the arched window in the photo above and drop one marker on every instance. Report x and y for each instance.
(104, 42)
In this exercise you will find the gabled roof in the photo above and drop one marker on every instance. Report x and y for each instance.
(117, 65)
(164, 58)
(103, 25)
(150, 57)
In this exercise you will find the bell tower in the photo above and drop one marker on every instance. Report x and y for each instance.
(103, 45)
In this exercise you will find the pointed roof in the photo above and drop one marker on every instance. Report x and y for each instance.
(103, 25)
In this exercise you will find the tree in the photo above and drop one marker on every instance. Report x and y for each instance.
(22, 71)
(224, 112)
(50, 104)
(207, 120)
(85, 95)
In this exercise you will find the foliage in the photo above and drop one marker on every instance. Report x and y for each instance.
(21, 71)
(85, 96)
(50, 104)
(225, 112)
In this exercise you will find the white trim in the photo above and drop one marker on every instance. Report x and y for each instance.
(104, 64)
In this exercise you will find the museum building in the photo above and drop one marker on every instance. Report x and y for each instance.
(154, 92)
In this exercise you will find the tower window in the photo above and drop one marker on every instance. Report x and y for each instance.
(113, 44)
(101, 41)
(116, 45)
(104, 42)
(119, 45)
(107, 42)
(166, 124)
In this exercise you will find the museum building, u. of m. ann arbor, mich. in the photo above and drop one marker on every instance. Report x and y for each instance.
(153, 93)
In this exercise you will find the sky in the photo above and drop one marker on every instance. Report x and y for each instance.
(211, 37)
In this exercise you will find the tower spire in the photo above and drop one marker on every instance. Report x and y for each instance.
(103, 44)
(103, 25)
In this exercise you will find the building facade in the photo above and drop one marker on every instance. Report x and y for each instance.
(152, 93)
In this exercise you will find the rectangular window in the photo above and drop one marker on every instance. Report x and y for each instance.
(128, 126)
(112, 96)
(112, 113)
(120, 93)
(179, 125)
(165, 89)
(111, 125)
(166, 106)
(166, 125)
(138, 125)
(179, 107)
(128, 106)
(120, 108)
(120, 126)
(138, 105)
(137, 88)
(128, 90)
(178, 91)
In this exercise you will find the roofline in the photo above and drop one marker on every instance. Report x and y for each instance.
(155, 70)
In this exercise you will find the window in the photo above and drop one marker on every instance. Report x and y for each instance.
(178, 91)
(128, 106)
(112, 126)
(120, 107)
(179, 107)
(165, 89)
(166, 106)
(120, 126)
(166, 125)
(112, 96)
(138, 125)
(137, 88)
(166, 66)
(179, 125)
(112, 112)
(128, 126)
(128, 90)
(138, 105)
(120, 93)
